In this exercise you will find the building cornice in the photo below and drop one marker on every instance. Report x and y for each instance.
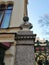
(10, 30)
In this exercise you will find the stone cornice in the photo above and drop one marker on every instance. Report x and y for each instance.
(25, 35)
(7, 37)
(10, 30)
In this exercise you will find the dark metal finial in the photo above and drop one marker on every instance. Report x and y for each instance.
(25, 18)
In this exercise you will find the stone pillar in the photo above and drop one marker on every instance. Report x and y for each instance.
(25, 48)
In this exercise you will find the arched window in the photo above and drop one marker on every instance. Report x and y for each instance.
(5, 15)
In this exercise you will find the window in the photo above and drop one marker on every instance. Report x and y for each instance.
(5, 15)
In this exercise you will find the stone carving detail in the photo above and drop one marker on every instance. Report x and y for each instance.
(25, 35)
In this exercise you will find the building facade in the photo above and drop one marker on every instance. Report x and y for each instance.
(15, 35)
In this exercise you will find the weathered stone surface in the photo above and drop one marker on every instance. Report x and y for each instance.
(25, 42)
(25, 32)
(10, 56)
(11, 51)
(24, 55)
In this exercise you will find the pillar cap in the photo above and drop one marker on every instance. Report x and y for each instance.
(26, 24)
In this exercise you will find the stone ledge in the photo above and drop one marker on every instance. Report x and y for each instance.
(10, 30)
(7, 37)
(25, 37)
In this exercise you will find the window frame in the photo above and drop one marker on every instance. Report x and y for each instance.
(4, 12)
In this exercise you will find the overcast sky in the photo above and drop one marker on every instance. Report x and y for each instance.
(36, 10)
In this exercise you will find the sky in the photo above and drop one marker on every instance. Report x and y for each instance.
(36, 10)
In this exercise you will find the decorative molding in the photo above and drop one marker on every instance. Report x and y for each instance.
(10, 30)
(25, 35)
(7, 37)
